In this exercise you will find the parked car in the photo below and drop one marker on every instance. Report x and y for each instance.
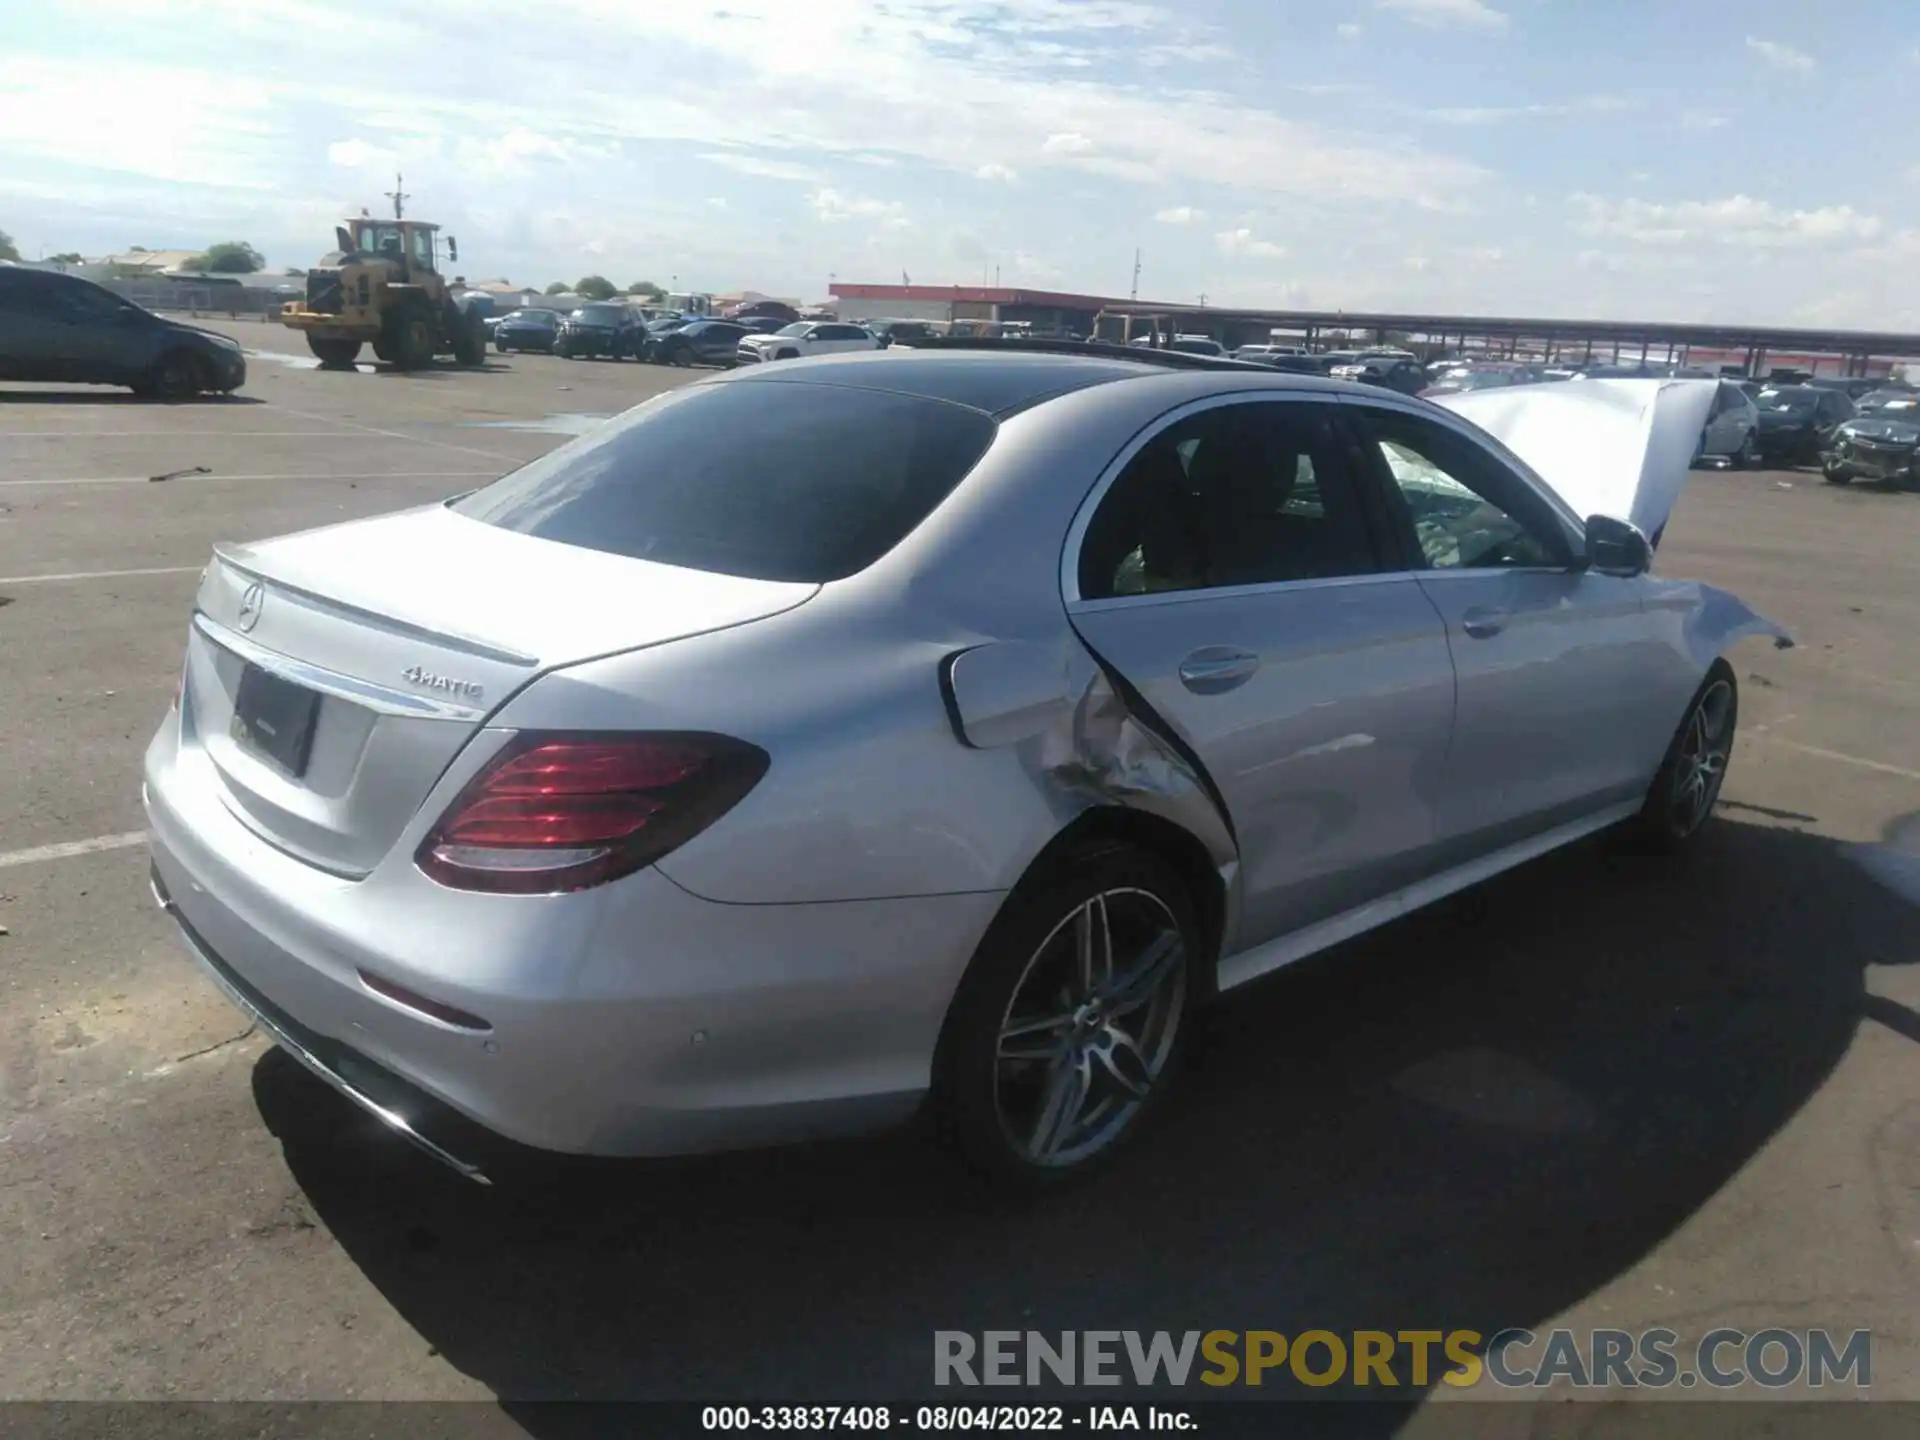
(1732, 430)
(605, 329)
(1486, 375)
(665, 874)
(1196, 345)
(1881, 442)
(1295, 364)
(765, 310)
(62, 329)
(1393, 373)
(1797, 422)
(808, 337)
(762, 325)
(1890, 402)
(888, 331)
(529, 329)
(705, 342)
(1852, 386)
(1259, 353)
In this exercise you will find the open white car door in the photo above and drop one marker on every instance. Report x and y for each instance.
(1622, 448)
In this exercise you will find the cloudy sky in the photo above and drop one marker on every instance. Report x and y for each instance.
(1737, 160)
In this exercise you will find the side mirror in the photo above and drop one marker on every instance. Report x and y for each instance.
(453, 248)
(1616, 547)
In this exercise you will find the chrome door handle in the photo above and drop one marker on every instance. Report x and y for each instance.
(1217, 668)
(1483, 623)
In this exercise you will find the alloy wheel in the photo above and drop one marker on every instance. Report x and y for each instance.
(1702, 763)
(1090, 1027)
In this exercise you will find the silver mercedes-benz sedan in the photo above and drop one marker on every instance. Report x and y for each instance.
(932, 727)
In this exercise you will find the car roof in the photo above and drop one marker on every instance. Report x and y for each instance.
(1001, 382)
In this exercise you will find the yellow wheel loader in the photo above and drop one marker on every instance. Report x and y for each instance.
(382, 286)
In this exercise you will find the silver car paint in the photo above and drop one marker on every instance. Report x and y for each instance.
(786, 972)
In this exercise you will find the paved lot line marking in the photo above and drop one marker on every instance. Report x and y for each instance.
(99, 574)
(68, 848)
(201, 479)
(396, 435)
(1880, 765)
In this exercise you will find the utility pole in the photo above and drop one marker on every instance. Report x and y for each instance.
(1135, 293)
(1203, 299)
(399, 197)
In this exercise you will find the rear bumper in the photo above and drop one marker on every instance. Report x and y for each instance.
(634, 1019)
(406, 1111)
(586, 342)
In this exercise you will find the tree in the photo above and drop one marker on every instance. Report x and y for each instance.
(229, 257)
(7, 252)
(68, 257)
(595, 287)
(647, 289)
(558, 287)
(136, 250)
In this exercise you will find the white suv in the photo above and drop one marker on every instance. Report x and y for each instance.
(808, 337)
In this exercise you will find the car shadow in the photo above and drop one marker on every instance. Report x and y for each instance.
(115, 397)
(1473, 1118)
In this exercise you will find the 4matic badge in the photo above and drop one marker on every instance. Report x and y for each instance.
(446, 684)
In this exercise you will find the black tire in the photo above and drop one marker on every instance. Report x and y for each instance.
(788, 355)
(176, 375)
(1675, 811)
(1831, 472)
(1112, 1066)
(1747, 457)
(334, 354)
(408, 335)
(681, 356)
(469, 337)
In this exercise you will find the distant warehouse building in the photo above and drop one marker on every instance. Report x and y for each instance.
(1042, 309)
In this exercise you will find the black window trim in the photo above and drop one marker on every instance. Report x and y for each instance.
(1570, 531)
(1076, 536)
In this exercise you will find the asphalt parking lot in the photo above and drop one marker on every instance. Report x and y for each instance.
(1600, 1091)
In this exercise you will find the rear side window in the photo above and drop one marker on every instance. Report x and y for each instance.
(767, 480)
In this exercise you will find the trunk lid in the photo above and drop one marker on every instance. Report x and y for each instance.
(408, 630)
(1622, 448)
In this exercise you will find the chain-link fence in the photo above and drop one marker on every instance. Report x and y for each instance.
(193, 297)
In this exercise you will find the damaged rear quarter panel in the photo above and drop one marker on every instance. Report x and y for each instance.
(1078, 739)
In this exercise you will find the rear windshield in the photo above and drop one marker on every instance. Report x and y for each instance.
(768, 480)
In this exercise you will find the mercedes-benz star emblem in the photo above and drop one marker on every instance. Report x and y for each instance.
(250, 604)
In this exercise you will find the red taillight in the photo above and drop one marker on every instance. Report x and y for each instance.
(558, 812)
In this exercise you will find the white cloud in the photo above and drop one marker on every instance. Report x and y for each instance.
(1347, 30)
(1068, 142)
(1243, 242)
(357, 154)
(1738, 220)
(835, 207)
(1463, 14)
(991, 171)
(1702, 120)
(1490, 114)
(1180, 215)
(762, 167)
(1781, 57)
